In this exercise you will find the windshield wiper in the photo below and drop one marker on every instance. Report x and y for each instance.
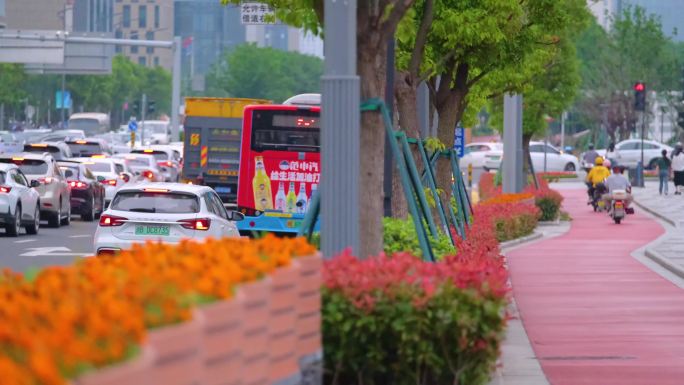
(143, 210)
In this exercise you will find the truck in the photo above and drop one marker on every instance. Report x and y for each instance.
(212, 143)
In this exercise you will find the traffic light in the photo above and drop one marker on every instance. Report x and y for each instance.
(639, 96)
(136, 107)
(151, 107)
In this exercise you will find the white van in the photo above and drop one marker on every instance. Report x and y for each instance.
(91, 123)
(156, 131)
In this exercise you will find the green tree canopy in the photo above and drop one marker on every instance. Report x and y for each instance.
(264, 73)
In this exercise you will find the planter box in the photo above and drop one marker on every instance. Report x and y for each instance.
(309, 305)
(283, 337)
(134, 372)
(223, 341)
(255, 332)
(268, 333)
(178, 350)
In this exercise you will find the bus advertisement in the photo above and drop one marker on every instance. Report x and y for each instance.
(279, 166)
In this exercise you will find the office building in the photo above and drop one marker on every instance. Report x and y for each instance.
(2, 14)
(148, 20)
(209, 30)
(93, 15)
(37, 14)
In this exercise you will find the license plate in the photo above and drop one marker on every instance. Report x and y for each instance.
(162, 230)
(601, 203)
(618, 205)
(494, 157)
(222, 190)
(293, 224)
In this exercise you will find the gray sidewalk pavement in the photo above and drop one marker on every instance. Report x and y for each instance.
(669, 250)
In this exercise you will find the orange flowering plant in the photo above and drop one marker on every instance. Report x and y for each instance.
(71, 319)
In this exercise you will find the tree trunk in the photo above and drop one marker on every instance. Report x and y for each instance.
(527, 158)
(371, 65)
(406, 96)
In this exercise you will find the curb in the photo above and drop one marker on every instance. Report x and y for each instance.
(555, 222)
(655, 213)
(664, 262)
(515, 242)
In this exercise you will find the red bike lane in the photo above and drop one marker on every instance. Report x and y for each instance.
(594, 314)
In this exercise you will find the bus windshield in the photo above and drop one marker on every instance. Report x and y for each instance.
(90, 126)
(286, 131)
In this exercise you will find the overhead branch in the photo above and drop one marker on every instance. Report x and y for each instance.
(421, 39)
(399, 8)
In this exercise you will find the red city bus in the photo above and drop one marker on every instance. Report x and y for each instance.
(279, 166)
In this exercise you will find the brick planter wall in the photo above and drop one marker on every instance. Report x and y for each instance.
(268, 333)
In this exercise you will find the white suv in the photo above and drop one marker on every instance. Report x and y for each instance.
(54, 190)
(165, 212)
(19, 201)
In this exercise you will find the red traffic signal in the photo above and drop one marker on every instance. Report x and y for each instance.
(639, 87)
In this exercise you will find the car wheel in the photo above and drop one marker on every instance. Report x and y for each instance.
(13, 228)
(55, 219)
(90, 215)
(570, 167)
(35, 226)
(67, 219)
(102, 208)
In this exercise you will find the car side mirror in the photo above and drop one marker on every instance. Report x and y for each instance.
(235, 216)
(35, 183)
(100, 178)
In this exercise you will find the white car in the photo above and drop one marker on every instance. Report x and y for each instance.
(555, 159)
(9, 143)
(19, 201)
(167, 160)
(54, 189)
(156, 131)
(109, 173)
(143, 165)
(166, 212)
(628, 152)
(485, 155)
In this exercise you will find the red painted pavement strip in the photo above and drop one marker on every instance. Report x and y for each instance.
(594, 314)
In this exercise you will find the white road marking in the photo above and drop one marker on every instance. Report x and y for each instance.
(51, 252)
(26, 241)
(80, 236)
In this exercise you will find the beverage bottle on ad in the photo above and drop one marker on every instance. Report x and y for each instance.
(291, 200)
(280, 198)
(302, 199)
(261, 184)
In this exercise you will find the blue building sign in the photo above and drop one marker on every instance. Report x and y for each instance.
(459, 141)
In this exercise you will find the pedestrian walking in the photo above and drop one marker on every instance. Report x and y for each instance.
(678, 168)
(664, 165)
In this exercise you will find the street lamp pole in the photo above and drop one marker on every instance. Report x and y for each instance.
(340, 134)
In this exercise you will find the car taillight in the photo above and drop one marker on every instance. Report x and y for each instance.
(46, 180)
(5, 189)
(148, 174)
(125, 177)
(111, 182)
(111, 221)
(166, 163)
(201, 224)
(77, 184)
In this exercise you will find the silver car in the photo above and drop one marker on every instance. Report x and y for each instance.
(54, 190)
